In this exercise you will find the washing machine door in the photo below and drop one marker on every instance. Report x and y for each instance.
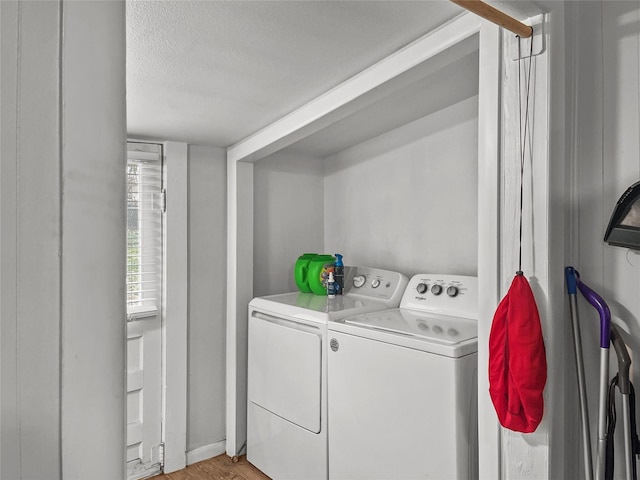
(285, 369)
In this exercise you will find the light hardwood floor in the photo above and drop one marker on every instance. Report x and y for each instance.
(217, 468)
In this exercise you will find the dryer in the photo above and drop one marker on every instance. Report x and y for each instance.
(403, 386)
(287, 370)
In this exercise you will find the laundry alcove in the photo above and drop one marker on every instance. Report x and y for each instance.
(400, 165)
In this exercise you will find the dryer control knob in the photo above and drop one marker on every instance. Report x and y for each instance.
(452, 291)
(436, 289)
(359, 280)
(375, 283)
(421, 288)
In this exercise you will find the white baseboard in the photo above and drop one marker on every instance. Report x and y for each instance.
(206, 452)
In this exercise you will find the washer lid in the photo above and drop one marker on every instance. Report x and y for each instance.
(318, 308)
(442, 334)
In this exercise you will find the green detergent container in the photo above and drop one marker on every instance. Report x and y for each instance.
(319, 268)
(300, 271)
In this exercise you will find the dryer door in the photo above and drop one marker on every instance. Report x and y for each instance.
(285, 369)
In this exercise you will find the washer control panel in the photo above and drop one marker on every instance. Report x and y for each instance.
(455, 295)
(375, 283)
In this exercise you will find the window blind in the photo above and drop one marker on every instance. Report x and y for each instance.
(144, 227)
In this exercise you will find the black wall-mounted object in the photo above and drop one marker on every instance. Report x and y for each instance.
(624, 225)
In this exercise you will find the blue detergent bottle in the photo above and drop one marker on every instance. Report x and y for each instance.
(338, 274)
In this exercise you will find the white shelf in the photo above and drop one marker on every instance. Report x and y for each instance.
(438, 68)
(429, 93)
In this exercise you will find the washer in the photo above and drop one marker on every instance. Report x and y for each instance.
(287, 370)
(403, 386)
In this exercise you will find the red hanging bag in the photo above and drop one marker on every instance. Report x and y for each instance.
(517, 360)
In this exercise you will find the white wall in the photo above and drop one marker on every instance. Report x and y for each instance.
(93, 194)
(407, 200)
(31, 240)
(207, 192)
(288, 218)
(63, 224)
(605, 161)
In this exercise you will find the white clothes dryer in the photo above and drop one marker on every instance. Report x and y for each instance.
(403, 386)
(287, 370)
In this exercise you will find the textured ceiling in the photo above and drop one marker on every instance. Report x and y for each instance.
(214, 72)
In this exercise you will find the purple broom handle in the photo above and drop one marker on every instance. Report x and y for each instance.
(600, 305)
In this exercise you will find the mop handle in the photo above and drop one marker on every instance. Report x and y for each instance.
(599, 304)
(582, 389)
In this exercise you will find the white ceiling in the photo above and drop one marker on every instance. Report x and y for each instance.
(214, 72)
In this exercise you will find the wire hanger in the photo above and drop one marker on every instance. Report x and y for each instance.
(523, 135)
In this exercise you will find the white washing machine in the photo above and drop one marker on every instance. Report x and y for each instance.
(287, 370)
(403, 386)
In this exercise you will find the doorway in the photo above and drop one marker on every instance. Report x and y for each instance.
(145, 254)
